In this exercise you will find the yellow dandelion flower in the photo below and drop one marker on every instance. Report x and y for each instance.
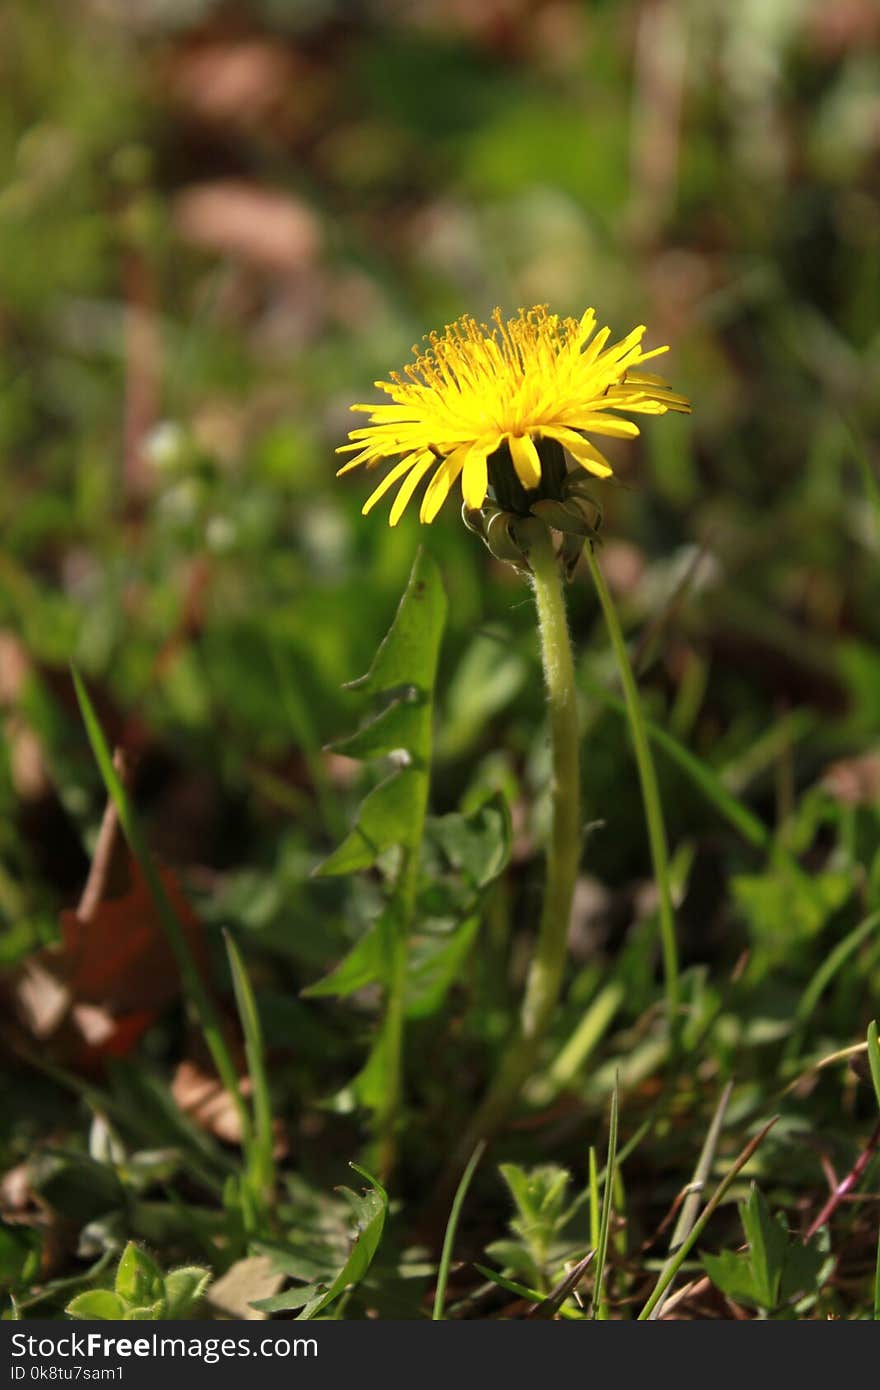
(480, 399)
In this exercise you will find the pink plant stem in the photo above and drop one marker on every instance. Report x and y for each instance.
(846, 1185)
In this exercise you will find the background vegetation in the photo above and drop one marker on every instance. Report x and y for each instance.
(218, 224)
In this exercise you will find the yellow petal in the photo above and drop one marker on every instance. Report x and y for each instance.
(408, 487)
(592, 350)
(654, 352)
(621, 348)
(366, 456)
(475, 480)
(438, 488)
(586, 454)
(388, 481)
(525, 460)
(609, 425)
(645, 379)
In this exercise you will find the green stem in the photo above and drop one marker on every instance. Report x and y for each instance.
(544, 981)
(564, 850)
(650, 790)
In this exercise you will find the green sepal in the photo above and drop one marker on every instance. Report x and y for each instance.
(564, 516)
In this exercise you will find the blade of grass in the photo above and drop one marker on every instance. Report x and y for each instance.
(673, 1265)
(586, 1036)
(871, 486)
(653, 806)
(597, 1310)
(631, 1144)
(695, 1188)
(451, 1228)
(823, 977)
(263, 1158)
(596, 1177)
(766, 751)
(734, 811)
(874, 1057)
(193, 985)
(549, 1306)
(841, 1056)
(509, 1285)
(593, 1188)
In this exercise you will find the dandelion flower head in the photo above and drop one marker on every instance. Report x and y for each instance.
(479, 390)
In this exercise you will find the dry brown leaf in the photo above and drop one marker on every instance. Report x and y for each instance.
(243, 81)
(26, 763)
(242, 1284)
(233, 218)
(119, 956)
(854, 781)
(202, 1095)
(15, 1190)
(97, 992)
(248, 86)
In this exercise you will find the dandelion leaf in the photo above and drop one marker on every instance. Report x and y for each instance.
(408, 655)
(385, 818)
(403, 671)
(399, 726)
(363, 965)
(434, 965)
(477, 844)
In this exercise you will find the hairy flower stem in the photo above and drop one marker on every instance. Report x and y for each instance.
(650, 790)
(563, 852)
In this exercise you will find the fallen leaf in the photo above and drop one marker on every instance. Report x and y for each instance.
(854, 781)
(202, 1095)
(248, 86)
(26, 762)
(118, 956)
(15, 1190)
(243, 1283)
(233, 218)
(97, 992)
